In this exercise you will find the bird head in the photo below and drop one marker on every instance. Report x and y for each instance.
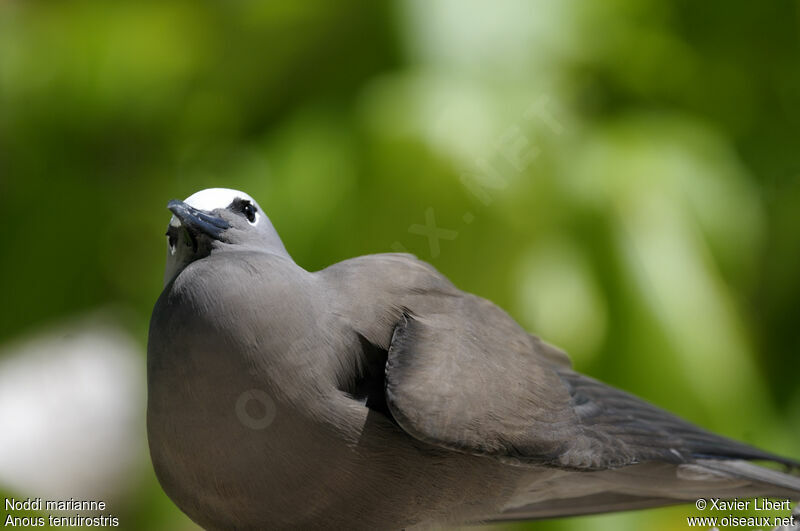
(216, 219)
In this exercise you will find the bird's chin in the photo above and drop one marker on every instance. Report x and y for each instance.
(194, 242)
(190, 239)
(191, 246)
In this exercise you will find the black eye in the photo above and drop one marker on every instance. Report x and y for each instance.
(249, 212)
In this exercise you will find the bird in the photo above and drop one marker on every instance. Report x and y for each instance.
(375, 394)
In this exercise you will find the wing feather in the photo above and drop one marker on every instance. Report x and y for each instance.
(468, 378)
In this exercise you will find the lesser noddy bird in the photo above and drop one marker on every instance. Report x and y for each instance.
(374, 394)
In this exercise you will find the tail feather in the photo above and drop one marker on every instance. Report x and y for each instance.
(648, 485)
(784, 485)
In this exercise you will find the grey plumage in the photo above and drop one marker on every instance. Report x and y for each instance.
(398, 399)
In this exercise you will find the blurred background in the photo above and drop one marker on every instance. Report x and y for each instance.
(622, 177)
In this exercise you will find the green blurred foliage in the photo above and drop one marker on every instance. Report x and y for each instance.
(622, 176)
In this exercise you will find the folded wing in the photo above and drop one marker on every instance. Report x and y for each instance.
(468, 378)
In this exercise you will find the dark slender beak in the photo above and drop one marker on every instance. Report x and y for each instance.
(197, 220)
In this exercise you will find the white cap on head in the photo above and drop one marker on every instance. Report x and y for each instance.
(213, 198)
